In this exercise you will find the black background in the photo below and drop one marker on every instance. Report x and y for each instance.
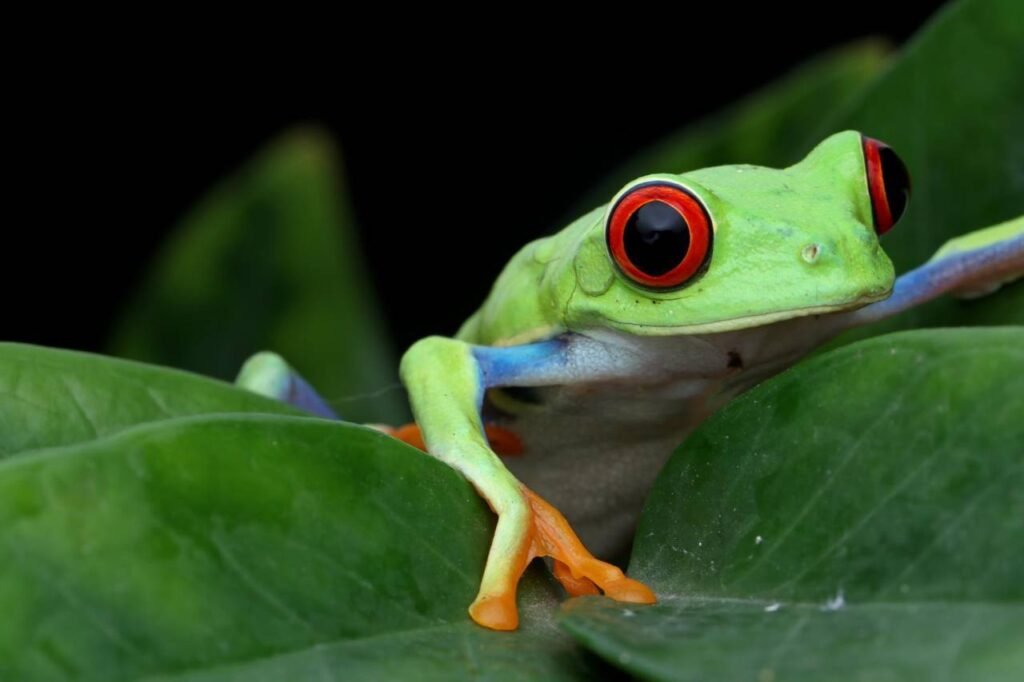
(483, 132)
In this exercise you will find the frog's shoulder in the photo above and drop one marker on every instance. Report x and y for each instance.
(515, 311)
(528, 300)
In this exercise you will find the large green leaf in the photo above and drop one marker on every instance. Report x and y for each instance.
(270, 261)
(51, 397)
(772, 127)
(859, 517)
(254, 547)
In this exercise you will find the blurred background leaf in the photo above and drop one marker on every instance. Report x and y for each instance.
(270, 260)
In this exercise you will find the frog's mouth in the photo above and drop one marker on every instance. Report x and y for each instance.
(749, 321)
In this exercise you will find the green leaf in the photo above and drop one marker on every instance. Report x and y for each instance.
(51, 397)
(952, 106)
(772, 127)
(254, 547)
(269, 260)
(858, 517)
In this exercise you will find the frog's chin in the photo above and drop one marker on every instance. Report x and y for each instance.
(746, 322)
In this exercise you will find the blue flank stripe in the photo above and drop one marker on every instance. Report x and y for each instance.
(520, 365)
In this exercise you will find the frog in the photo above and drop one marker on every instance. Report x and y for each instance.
(601, 347)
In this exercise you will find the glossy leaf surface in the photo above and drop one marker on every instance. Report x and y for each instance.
(858, 517)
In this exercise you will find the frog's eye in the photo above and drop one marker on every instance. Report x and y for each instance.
(659, 234)
(888, 184)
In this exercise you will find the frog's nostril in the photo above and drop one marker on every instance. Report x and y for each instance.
(810, 253)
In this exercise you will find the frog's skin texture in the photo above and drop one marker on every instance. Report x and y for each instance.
(601, 379)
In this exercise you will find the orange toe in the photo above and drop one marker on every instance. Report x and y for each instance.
(629, 590)
(410, 433)
(576, 587)
(497, 612)
(503, 442)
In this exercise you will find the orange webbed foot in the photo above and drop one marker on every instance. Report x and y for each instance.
(577, 569)
(547, 533)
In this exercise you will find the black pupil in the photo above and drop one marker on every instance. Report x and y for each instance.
(897, 181)
(656, 238)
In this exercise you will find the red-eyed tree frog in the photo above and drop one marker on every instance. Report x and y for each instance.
(601, 347)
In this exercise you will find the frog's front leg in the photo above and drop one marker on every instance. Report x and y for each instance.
(446, 380)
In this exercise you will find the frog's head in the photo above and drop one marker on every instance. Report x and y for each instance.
(733, 247)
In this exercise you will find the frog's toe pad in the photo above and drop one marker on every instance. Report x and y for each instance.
(495, 612)
(629, 590)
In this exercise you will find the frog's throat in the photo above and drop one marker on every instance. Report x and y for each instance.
(737, 323)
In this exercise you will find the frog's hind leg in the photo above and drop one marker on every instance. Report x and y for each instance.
(269, 374)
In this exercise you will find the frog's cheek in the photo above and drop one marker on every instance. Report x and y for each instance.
(594, 273)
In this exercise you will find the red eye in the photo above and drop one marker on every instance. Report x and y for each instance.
(659, 235)
(888, 183)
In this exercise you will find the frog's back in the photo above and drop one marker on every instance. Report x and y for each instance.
(528, 298)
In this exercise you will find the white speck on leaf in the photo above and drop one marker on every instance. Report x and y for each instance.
(835, 603)
(628, 614)
(758, 540)
(772, 608)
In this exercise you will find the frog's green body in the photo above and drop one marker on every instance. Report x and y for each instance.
(619, 371)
